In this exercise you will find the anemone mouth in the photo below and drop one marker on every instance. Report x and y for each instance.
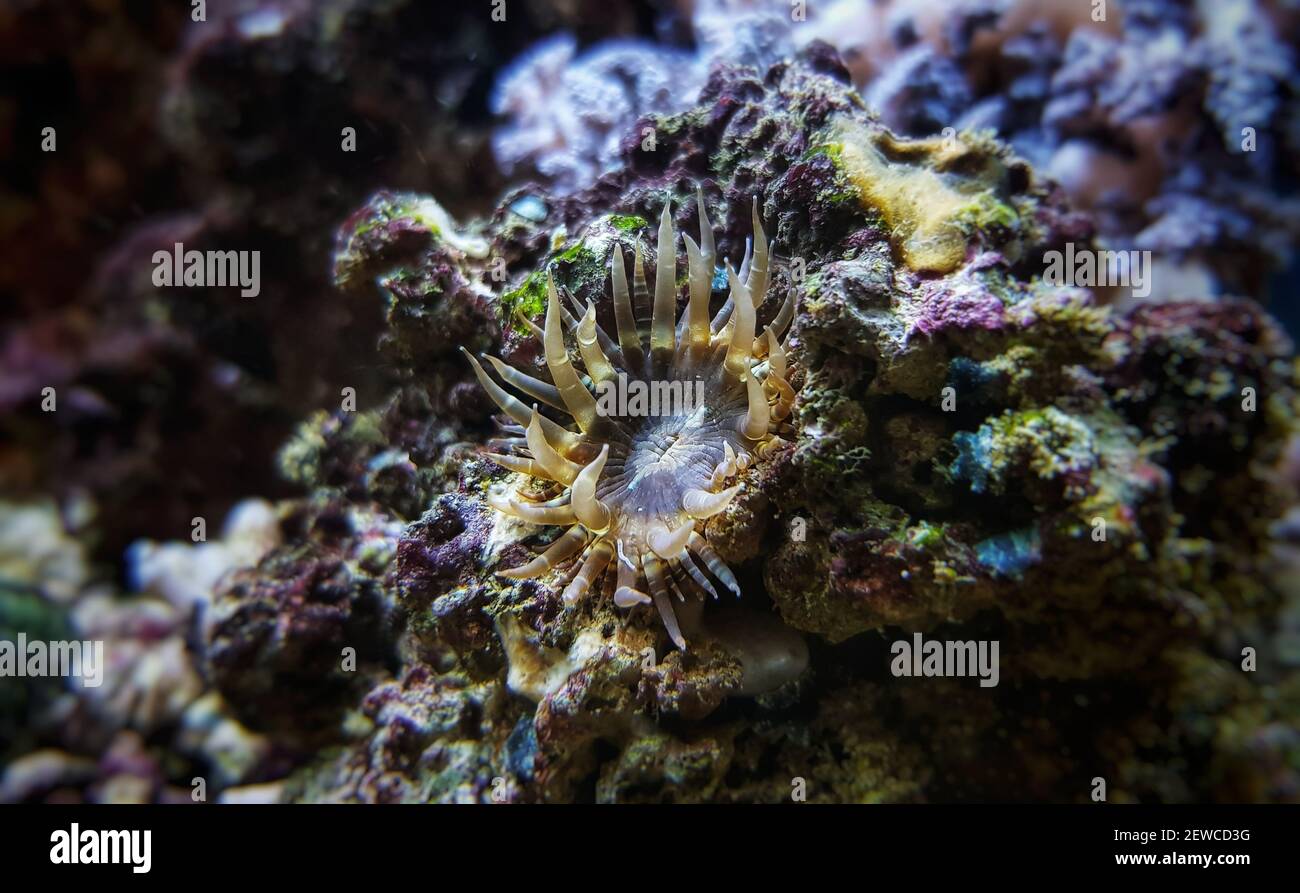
(680, 409)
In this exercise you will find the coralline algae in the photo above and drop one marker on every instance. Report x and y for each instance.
(963, 430)
(975, 453)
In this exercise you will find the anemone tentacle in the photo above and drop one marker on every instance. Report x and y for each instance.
(637, 488)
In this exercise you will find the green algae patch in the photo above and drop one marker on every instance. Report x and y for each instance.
(528, 300)
(627, 223)
(932, 194)
(581, 265)
(987, 214)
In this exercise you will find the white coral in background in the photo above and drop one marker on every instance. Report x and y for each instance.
(185, 573)
(566, 115)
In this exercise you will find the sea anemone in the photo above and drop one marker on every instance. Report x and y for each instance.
(636, 480)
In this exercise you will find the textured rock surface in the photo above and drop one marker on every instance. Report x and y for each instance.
(965, 432)
(1107, 491)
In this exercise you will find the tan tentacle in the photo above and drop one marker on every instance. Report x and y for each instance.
(654, 574)
(771, 445)
(727, 467)
(701, 504)
(688, 564)
(697, 308)
(641, 298)
(776, 362)
(545, 456)
(738, 352)
(598, 557)
(783, 316)
(531, 326)
(573, 392)
(784, 398)
(663, 322)
(706, 230)
(624, 319)
(716, 566)
(593, 357)
(758, 271)
(565, 547)
(534, 514)
(593, 513)
(626, 594)
(514, 408)
(533, 387)
(754, 424)
(668, 543)
(519, 464)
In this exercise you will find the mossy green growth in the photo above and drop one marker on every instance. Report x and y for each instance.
(832, 150)
(841, 190)
(570, 254)
(580, 266)
(671, 125)
(926, 535)
(986, 214)
(528, 300)
(627, 223)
